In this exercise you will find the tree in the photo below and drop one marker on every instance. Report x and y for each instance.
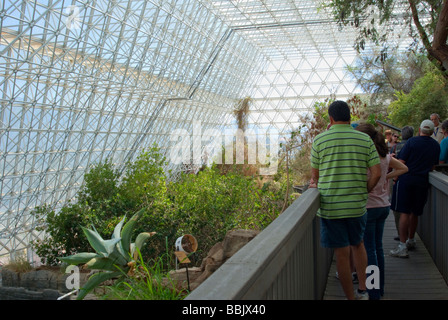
(382, 78)
(438, 49)
(241, 113)
(376, 19)
(428, 95)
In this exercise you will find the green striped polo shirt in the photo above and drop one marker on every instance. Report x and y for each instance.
(342, 156)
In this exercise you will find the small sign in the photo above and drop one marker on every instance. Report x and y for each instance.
(182, 257)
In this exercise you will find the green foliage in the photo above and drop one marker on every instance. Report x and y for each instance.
(376, 20)
(114, 257)
(302, 139)
(102, 201)
(100, 188)
(370, 18)
(428, 95)
(144, 184)
(145, 181)
(63, 231)
(207, 205)
(149, 281)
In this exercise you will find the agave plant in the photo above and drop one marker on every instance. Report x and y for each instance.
(114, 257)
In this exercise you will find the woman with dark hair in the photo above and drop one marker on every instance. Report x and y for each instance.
(378, 205)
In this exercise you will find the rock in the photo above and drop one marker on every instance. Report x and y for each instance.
(39, 280)
(204, 275)
(235, 240)
(41, 283)
(20, 293)
(221, 252)
(50, 294)
(179, 277)
(216, 253)
(10, 278)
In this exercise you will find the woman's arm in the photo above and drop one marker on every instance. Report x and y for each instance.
(398, 167)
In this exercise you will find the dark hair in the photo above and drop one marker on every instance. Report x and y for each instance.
(377, 137)
(339, 111)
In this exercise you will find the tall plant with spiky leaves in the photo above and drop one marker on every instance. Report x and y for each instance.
(114, 258)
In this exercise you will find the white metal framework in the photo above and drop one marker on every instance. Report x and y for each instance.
(82, 81)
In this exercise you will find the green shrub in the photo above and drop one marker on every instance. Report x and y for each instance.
(209, 204)
(428, 95)
(150, 281)
(206, 205)
(103, 201)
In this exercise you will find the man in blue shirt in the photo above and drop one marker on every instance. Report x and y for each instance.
(420, 154)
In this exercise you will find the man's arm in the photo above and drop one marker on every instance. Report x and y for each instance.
(375, 175)
(314, 178)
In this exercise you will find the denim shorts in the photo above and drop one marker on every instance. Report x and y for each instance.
(340, 233)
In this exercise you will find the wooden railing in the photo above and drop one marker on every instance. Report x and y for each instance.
(285, 261)
(433, 224)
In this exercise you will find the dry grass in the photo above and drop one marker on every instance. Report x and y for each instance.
(20, 265)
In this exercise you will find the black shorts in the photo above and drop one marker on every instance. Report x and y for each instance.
(409, 195)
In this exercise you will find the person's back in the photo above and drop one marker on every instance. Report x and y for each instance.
(420, 154)
(379, 196)
(342, 155)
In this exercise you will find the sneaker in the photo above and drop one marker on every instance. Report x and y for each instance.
(400, 252)
(364, 295)
(411, 244)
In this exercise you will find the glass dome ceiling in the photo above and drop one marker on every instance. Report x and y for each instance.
(85, 81)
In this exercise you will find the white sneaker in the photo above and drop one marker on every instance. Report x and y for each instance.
(411, 244)
(400, 252)
(361, 296)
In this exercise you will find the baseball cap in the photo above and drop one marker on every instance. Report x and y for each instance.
(427, 126)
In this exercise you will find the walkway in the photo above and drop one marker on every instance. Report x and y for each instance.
(416, 278)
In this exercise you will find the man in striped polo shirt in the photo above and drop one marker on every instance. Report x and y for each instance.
(340, 158)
